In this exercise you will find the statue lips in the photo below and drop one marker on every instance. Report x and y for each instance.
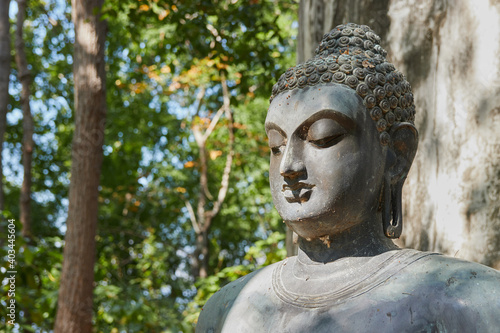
(297, 192)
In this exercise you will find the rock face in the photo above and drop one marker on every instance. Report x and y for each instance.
(450, 53)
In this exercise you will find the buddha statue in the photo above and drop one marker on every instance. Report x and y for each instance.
(342, 138)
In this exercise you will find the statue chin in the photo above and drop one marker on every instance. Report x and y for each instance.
(321, 226)
(342, 136)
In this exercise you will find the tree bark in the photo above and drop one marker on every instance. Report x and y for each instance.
(200, 262)
(24, 76)
(449, 52)
(4, 82)
(74, 312)
(317, 17)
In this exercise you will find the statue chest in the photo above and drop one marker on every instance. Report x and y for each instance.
(371, 312)
(434, 294)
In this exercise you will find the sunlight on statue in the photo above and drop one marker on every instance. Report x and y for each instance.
(342, 138)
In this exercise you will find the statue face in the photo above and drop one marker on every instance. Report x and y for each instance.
(327, 165)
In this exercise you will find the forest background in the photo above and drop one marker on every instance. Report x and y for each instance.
(179, 156)
(167, 66)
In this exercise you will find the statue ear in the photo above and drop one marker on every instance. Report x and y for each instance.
(404, 142)
(402, 149)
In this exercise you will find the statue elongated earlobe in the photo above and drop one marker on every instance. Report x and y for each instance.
(386, 208)
(404, 141)
(392, 215)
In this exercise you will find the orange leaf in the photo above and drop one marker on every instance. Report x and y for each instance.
(163, 14)
(239, 126)
(214, 154)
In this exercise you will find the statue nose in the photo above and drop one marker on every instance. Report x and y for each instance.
(292, 165)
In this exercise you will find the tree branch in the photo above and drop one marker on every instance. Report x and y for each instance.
(213, 123)
(201, 140)
(199, 100)
(192, 216)
(229, 159)
(202, 197)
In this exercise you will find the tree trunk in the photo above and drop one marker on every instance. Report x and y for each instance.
(4, 82)
(317, 17)
(74, 313)
(200, 262)
(28, 145)
(449, 52)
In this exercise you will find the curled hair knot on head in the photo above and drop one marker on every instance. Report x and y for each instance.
(351, 55)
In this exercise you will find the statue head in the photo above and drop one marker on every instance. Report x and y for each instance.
(341, 130)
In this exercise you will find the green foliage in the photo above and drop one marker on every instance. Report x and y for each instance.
(160, 56)
(37, 280)
(38, 260)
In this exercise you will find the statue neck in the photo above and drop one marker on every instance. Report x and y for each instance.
(363, 240)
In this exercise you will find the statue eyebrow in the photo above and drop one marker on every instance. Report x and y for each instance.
(272, 126)
(344, 120)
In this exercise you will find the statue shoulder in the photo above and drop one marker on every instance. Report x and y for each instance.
(454, 270)
(433, 292)
(468, 288)
(216, 310)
